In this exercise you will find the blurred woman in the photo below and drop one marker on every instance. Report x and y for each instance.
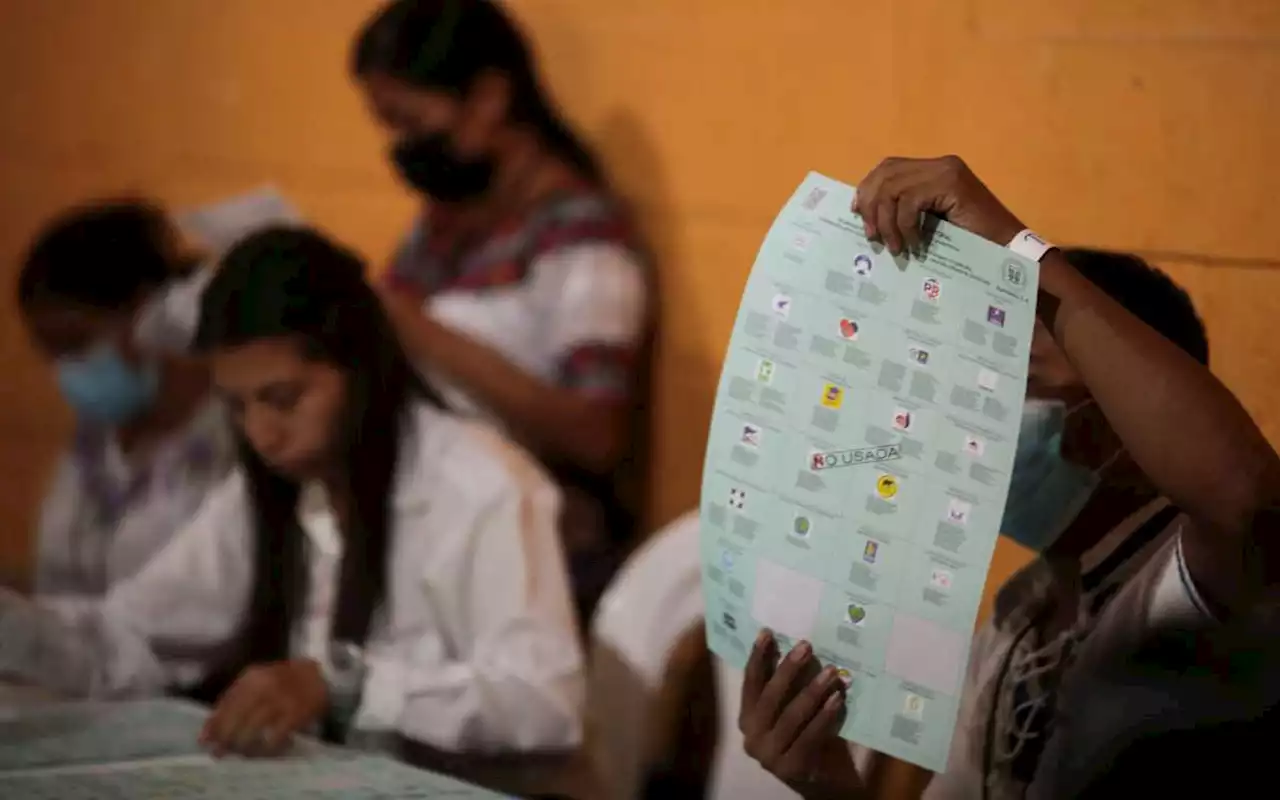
(374, 565)
(150, 439)
(520, 287)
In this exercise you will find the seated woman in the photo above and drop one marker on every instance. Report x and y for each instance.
(151, 441)
(373, 565)
(521, 288)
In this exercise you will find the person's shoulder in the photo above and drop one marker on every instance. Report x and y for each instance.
(228, 495)
(459, 459)
(580, 199)
(578, 214)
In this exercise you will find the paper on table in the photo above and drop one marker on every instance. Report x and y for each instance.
(218, 226)
(859, 459)
(98, 733)
(331, 775)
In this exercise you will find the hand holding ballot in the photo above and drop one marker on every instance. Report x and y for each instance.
(789, 720)
(893, 196)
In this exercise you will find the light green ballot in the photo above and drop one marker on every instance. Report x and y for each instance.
(859, 459)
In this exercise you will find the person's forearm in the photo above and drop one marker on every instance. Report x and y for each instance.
(558, 423)
(1182, 427)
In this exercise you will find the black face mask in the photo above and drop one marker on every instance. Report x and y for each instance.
(430, 165)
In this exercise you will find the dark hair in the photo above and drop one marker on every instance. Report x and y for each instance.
(1148, 294)
(446, 44)
(293, 282)
(103, 255)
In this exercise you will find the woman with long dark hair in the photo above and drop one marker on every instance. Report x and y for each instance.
(521, 288)
(375, 565)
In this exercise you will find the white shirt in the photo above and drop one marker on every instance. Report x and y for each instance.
(475, 647)
(576, 305)
(106, 514)
(561, 292)
(167, 322)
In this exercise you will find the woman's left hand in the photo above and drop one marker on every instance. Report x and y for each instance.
(265, 707)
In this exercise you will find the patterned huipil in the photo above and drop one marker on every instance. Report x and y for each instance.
(563, 293)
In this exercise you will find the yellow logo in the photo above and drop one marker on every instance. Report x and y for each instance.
(887, 486)
(832, 395)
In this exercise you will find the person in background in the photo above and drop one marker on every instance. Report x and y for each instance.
(374, 567)
(1140, 479)
(521, 287)
(151, 440)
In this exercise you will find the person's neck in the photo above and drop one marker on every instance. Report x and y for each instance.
(1109, 506)
(184, 388)
(526, 173)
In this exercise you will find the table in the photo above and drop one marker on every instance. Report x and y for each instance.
(148, 749)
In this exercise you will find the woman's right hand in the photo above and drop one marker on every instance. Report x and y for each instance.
(790, 718)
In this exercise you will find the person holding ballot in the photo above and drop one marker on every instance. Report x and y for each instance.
(151, 440)
(1139, 478)
(374, 565)
(521, 289)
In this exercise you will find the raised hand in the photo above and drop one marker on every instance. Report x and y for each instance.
(892, 197)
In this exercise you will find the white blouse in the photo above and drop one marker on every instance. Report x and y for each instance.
(577, 305)
(107, 514)
(474, 648)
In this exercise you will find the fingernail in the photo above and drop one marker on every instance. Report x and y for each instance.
(834, 701)
(829, 674)
(801, 652)
(763, 637)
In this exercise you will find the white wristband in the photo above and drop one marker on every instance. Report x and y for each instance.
(1029, 245)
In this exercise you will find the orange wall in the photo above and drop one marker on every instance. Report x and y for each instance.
(1139, 125)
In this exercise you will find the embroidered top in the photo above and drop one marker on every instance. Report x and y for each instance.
(564, 294)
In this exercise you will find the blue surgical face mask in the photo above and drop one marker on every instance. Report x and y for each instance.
(1046, 491)
(103, 388)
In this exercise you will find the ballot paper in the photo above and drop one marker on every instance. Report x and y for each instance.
(95, 733)
(150, 749)
(334, 775)
(859, 459)
(218, 226)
